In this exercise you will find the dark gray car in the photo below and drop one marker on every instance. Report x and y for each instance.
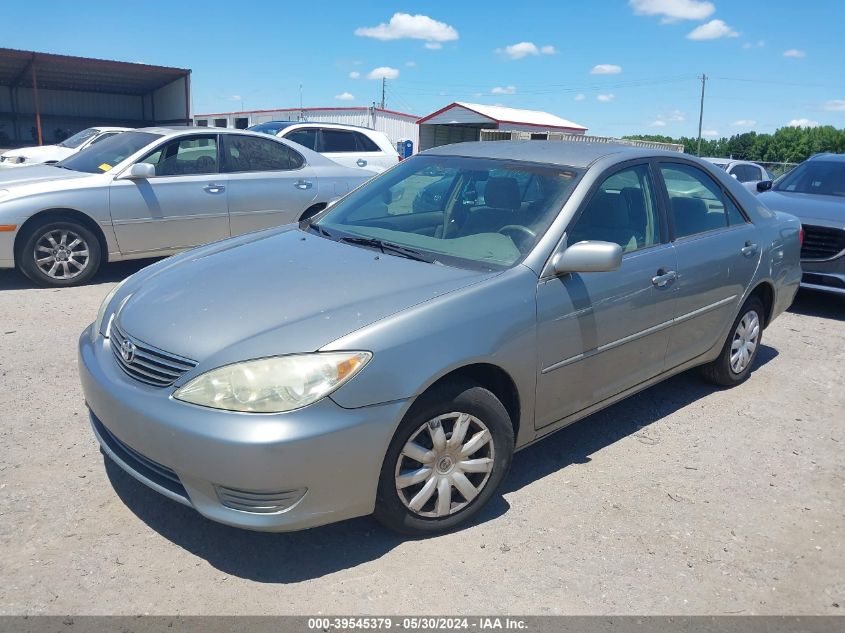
(815, 192)
(381, 360)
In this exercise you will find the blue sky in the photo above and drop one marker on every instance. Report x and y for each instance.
(615, 66)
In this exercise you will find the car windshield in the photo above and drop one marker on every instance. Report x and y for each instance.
(79, 138)
(271, 127)
(102, 157)
(467, 212)
(824, 177)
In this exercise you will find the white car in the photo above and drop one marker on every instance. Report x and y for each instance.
(746, 172)
(349, 145)
(49, 154)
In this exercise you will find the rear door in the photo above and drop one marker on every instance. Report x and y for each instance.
(718, 254)
(269, 183)
(183, 205)
(602, 333)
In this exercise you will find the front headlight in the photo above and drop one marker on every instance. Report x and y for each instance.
(101, 313)
(273, 385)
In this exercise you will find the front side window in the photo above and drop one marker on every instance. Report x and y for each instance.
(696, 202)
(825, 177)
(102, 157)
(307, 137)
(249, 154)
(79, 138)
(746, 173)
(338, 141)
(466, 212)
(622, 210)
(187, 156)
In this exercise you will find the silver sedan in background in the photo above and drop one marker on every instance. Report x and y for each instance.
(154, 192)
(381, 358)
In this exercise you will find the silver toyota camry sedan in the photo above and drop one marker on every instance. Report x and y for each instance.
(154, 192)
(378, 359)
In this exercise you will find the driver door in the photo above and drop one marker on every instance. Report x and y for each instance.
(182, 206)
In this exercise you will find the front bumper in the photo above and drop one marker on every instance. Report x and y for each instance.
(321, 463)
(827, 276)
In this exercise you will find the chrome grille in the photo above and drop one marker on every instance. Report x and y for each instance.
(147, 364)
(258, 502)
(822, 242)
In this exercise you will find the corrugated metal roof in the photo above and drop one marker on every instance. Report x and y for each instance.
(501, 114)
(65, 72)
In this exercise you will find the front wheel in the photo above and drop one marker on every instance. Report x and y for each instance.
(733, 366)
(445, 461)
(59, 252)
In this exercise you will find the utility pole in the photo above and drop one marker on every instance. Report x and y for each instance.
(701, 113)
(383, 85)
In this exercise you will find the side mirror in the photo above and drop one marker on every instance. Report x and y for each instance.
(734, 176)
(764, 185)
(139, 171)
(588, 257)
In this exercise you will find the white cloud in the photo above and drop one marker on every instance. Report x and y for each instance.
(663, 120)
(383, 72)
(673, 10)
(606, 98)
(235, 98)
(503, 90)
(345, 96)
(794, 52)
(710, 133)
(524, 49)
(433, 46)
(757, 44)
(354, 74)
(712, 30)
(802, 123)
(835, 105)
(606, 69)
(579, 97)
(414, 27)
(658, 123)
(744, 123)
(410, 64)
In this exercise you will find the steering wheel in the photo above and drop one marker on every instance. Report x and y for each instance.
(517, 228)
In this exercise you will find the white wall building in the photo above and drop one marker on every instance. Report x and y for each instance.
(395, 125)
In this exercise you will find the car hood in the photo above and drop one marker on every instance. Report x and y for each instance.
(806, 206)
(278, 292)
(37, 173)
(43, 153)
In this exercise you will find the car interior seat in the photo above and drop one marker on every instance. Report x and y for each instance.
(606, 219)
(502, 203)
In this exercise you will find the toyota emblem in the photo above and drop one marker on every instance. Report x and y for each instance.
(127, 350)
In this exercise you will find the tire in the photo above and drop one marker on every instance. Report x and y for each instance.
(728, 370)
(70, 253)
(476, 410)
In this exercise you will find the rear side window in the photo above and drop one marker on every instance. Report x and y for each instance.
(365, 143)
(250, 154)
(696, 202)
(306, 137)
(338, 141)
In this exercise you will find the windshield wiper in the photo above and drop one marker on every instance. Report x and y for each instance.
(310, 226)
(389, 247)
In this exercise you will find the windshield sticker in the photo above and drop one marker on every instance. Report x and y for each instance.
(105, 167)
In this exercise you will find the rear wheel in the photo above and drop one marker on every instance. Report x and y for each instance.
(59, 252)
(445, 461)
(733, 366)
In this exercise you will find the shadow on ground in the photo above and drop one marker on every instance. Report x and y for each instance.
(825, 305)
(298, 556)
(109, 273)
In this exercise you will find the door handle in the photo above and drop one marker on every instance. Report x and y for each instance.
(361, 162)
(749, 249)
(303, 184)
(664, 277)
(214, 188)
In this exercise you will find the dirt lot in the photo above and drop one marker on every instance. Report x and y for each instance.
(682, 500)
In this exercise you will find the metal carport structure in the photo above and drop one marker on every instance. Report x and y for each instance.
(43, 95)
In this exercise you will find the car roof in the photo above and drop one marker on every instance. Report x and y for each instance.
(191, 130)
(828, 156)
(341, 126)
(564, 153)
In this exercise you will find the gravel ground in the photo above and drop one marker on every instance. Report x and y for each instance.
(681, 500)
